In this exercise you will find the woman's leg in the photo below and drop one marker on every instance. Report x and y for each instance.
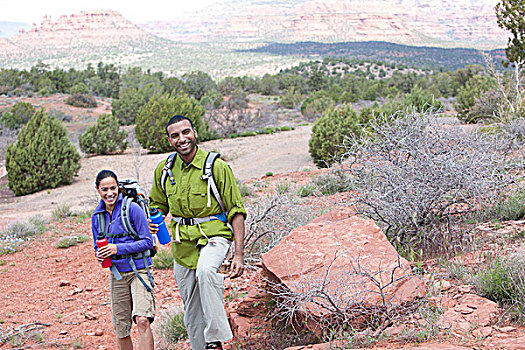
(121, 308)
(125, 343)
(143, 310)
(145, 334)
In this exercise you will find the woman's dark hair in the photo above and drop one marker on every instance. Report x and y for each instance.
(105, 174)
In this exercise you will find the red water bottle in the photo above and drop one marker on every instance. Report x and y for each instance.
(101, 243)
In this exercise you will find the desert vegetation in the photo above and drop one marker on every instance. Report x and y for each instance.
(378, 129)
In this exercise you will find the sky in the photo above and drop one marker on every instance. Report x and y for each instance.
(135, 11)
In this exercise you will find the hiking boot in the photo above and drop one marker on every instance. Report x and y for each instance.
(215, 345)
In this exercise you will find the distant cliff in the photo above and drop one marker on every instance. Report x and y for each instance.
(454, 23)
(211, 40)
(102, 28)
(75, 40)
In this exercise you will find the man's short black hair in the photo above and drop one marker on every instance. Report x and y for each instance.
(178, 118)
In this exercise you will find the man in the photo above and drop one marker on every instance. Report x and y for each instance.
(202, 235)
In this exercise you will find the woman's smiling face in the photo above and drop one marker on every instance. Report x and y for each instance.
(108, 191)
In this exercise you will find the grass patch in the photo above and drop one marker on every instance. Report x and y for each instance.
(245, 190)
(62, 211)
(503, 281)
(13, 237)
(326, 184)
(163, 259)
(70, 241)
(170, 328)
(283, 187)
(82, 215)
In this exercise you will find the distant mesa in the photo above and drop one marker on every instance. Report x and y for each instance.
(77, 31)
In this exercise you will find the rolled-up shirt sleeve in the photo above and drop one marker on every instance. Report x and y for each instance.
(157, 197)
(230, 193)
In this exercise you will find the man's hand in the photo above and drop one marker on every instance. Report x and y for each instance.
(237, 266)
(106, 251)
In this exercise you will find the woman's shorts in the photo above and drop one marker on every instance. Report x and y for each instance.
(129, 298)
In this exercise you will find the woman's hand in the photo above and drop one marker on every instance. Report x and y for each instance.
(106, 251)
(153, 228)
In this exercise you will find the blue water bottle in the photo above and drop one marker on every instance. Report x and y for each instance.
(162, 234)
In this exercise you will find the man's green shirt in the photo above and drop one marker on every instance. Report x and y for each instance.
(188, 198)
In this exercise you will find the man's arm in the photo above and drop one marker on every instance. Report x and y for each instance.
(237, 266)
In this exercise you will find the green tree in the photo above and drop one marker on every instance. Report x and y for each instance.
(291, 99)
(9, 80)
(422, 100)
(268, 85)
(198, 84)
(42, 157)
(511, 16)
(329, 133)
(81, 100)
(79, 88)
(19, 115)
(316, 79)
(314, 106)
(152, 118)
(126, 107)
(212, 100)
(105, 137)
(474, 88)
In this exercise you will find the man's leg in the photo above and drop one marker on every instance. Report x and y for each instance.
(211, 287)
(189, 293)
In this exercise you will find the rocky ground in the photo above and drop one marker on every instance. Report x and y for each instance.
(58, 298)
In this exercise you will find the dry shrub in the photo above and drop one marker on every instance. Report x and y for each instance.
(269, 220)
(419, 179)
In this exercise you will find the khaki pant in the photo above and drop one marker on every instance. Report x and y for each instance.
(202, 291)
(129, 298)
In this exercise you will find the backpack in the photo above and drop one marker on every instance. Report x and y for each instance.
(131, 192)
(206, 176)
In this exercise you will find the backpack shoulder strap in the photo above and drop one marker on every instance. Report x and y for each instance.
(101, 225)
(166, 171)
(208, 176)
(126, 221)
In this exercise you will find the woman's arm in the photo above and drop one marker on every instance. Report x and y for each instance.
(139, 222)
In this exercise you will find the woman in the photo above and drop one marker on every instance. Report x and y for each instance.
(130, 298)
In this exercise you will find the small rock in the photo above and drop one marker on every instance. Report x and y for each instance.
(99, 332)
(445, 285)
(77, 291)
(463, 309)
(64, 283)
(63, 333)
(90, 316)
(482, 332)
(466, 288)
(507, 329)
